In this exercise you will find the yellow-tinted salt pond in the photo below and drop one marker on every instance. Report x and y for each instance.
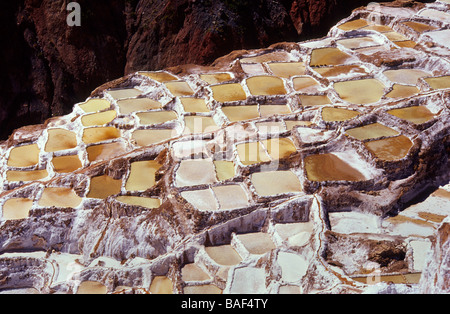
(290, 124)
(124, 93)
(199, 124)
(305, 84)
(156, 117)
(161, 285)
(330, 114)
(105, 151)
(192, 272)
(100, 118)
(287, 69)
(329, 167)
(439, 82)
(179, 88)
(59, 197)
(228, 92)
(364, 91)
(406, 44)
(405, 76)
(371, 131)
(60, 139)
(95, 135)
(394, 36)
(66, 164)
(146, 202)
(194, 104)
(16, 208)
(336, 71)
(202, 289)
(415, 114)
(128, 106)
(25, 176)
(92, 287)
(328, 56)
(271, 110)
(103, 186)
(24, 156)
(257, 243)
(142, 175)
(94, 105)
(153, 136)
(216, 78)
(352, 25)
(314, 100)
(241, 113)
(419, 27)
(378, 28)
(267, 57)
(275, 182)
(266, 85)
(225, 170)
(279, 148)
(224, 255)
(252, 153)
(402, 91)
(390, 149)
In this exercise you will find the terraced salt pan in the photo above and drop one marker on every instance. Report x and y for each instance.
(16, 208)
(224, 255)
(103, 186)
(228, 92)
(161, 285)
(192, 272)
(364, 91)
(191, 104)
(390, 149)
(128, 106)
(95, 105)
(314, 100)
(146, 202)
(179, 88)
(24, 156)
(96, 135)
(195, 172)
(330, 114)
(306, 84)
(142, 175)
(415, 114)
(266, 86)
(406, 76)
(124, 93)
(287, 69)
(216, 78)
(156, 117)
(97, 119)
(26, 176)
(60, 139)
(241, 113)
(153, 136)
(330, 167)
(275, 182)
(105, 151)
(257, 243)
(66, 164)
(328, 57)
(59, 197)
(199, 124)
(371, 131)
(439, 82)
(92, 287)
(402, 91)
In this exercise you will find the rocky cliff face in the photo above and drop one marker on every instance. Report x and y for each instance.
(47, 66)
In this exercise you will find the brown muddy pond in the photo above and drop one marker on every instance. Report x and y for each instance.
(329, 167)
(371, 131)
(330, 114)
(415, 114)
(390, 149)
